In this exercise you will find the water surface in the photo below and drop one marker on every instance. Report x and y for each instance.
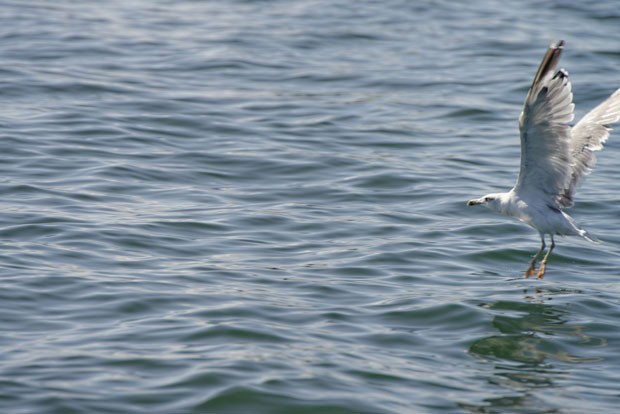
(259, 207)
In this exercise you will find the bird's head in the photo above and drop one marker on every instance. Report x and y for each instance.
(490, 201)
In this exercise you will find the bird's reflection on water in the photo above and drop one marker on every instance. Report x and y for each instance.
(528, 353)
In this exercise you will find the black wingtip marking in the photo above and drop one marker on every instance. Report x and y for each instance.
(557, 45)
(562, 74)
(549, 62)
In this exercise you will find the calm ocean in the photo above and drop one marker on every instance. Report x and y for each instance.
(258, 207)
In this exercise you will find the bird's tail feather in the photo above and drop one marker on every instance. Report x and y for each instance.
(582, 232)
(589, 237)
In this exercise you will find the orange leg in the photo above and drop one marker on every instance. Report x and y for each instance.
(543, 264)
(531, 270)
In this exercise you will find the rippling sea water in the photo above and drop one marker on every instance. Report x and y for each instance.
(259, 207)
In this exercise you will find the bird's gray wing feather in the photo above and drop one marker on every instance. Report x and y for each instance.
(589, 135)
(545, 132)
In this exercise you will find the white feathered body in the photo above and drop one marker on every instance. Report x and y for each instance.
(555, 156)
(536, 213)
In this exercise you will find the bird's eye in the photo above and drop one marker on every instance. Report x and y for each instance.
(487, 199)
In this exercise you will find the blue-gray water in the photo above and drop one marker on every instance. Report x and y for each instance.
(259, 207)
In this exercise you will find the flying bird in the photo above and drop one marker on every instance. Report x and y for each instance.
(555, 156)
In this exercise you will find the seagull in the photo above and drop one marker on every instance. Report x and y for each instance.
(555, 156)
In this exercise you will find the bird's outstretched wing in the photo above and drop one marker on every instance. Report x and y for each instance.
(546, 159)
(589, 135)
